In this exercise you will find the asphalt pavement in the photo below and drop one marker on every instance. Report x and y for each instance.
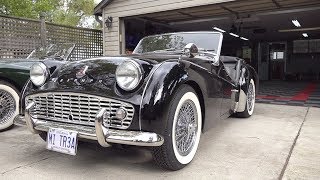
(277, 142)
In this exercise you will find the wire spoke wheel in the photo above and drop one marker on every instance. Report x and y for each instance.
(186, 128)
(7, 106)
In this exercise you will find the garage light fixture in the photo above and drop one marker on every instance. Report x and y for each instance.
(296, 23)
(305, 35)
(108, 22)
(218, 29)
(300, 29)
(235, 35)
(243, 38)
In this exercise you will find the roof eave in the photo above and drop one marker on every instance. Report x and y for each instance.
(99, 8)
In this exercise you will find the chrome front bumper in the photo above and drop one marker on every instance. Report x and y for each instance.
(19, 120)
(99, 133)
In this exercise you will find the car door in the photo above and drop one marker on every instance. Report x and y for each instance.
(228, 91)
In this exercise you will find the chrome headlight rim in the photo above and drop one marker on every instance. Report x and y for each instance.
(45, 73)
(140, 73)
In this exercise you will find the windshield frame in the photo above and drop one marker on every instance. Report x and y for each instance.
(175, 33)
(67, 56)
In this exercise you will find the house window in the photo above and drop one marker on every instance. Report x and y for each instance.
(277, 55)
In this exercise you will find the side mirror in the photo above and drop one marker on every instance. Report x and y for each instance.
(191, 50)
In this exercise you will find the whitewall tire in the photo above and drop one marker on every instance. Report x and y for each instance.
(9, 105)
(251, 97)
(183, 130)
(250, 101)
(185, 159)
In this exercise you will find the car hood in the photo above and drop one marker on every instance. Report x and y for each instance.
(94, 66)
(92, 76)
(102, 67)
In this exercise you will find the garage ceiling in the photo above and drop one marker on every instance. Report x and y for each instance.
(254, 19)
(234, 8)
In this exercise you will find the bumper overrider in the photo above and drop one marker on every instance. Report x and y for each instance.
(105, 136)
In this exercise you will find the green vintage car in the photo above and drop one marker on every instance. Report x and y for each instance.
(14, 73)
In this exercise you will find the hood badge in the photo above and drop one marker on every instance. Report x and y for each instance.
(82, 72)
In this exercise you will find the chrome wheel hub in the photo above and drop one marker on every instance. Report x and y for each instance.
(250, 97)
(186, 128)
(7, 107)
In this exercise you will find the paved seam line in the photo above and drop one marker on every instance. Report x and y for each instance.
(30, 164)
(292, 146)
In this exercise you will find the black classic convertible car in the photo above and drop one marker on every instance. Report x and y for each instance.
(170, 90)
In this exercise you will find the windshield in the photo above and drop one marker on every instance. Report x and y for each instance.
(56, 51)
(205, 41)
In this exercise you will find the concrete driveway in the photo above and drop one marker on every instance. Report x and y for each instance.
(278, 142)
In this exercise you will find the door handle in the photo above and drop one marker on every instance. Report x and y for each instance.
(234, 90)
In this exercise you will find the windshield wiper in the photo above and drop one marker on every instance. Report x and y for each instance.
(207, 51)
(59, 58)
(165, 50)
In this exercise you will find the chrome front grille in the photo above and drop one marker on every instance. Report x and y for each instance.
(77, 108)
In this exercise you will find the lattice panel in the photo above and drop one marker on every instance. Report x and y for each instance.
(18, 37)
(88, 43)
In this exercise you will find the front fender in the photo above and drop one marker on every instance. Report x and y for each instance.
(161, 87)
(16, 77)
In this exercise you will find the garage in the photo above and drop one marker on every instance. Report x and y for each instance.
(279, 38)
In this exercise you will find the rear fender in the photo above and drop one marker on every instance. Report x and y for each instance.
(247, 73)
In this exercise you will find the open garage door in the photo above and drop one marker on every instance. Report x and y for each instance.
(279, 38)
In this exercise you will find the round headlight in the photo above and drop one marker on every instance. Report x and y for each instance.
(128, 75)
(39, 73)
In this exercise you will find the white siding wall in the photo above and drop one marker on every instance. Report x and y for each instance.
(125, 8)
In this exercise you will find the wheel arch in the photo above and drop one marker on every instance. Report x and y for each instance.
(161, 87)
(11, 82)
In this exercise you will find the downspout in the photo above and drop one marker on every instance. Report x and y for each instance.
(98, 19)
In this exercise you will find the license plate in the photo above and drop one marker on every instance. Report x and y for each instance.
(62, 141)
